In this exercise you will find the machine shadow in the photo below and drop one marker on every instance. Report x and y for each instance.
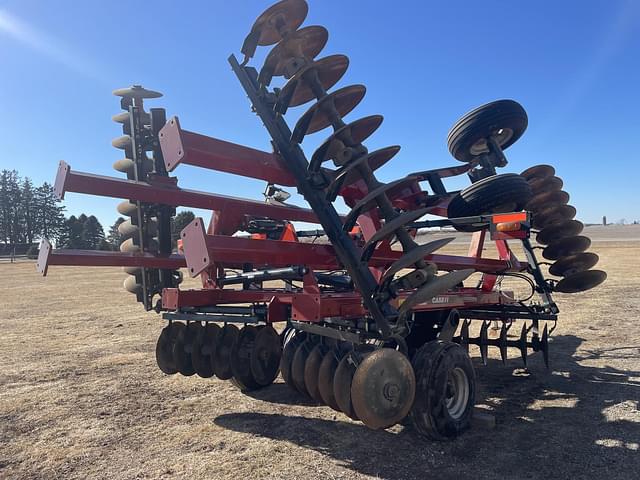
(553, 423)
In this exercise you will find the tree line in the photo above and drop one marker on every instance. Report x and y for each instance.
(29, 213)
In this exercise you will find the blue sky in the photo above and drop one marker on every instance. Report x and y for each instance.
(574, 65)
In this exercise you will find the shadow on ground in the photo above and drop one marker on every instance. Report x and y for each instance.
(551, 424)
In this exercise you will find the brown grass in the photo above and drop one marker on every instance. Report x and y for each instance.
(81, 397)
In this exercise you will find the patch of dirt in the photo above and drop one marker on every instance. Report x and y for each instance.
(81, 397)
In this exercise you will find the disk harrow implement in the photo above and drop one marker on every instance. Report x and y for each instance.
(377, 324)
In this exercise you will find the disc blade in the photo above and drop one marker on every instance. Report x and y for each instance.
(240, 359)
(319, 116)
(312, 369)
(552, 215)
(574, 264)
(369, 201)
(547, 184)
(127, 208)
(342, 382)
(203, 348)
(136, 91)
(329, 71)
(414, 256)
(122, 142)
(351, 134)
(298, 364)
(434, 287)
(288, 352)
(183, 347)
(302, 45)
(557, 231)
(221, 359)
(349, 173)
(266, 355)
(281, 18)
(397, 223)
(566, 246)
(327, 371)
(547, 200)
(164, 349)
(539, 171)
(383, 388)
(580, 282)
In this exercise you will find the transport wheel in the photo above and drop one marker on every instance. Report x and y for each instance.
(240, 359)
(289, 350)
(203, 348)
(508, 192)
(164, 348)
(266, 355)
(445, 390)
(504, 120)
(183, 346)
(222, 352)
(299, 360)
(383, 388)
(312, 368)
(327, 371)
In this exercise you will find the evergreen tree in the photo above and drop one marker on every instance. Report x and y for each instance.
(113, 237)
(49, 219)
(92, 234)
(180, 221)
(10, 197)
(29, 211)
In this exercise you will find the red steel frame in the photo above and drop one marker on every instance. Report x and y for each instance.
(208, 252)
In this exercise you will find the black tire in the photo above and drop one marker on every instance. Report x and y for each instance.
(508, 192)
(506, 120)
(435, 364)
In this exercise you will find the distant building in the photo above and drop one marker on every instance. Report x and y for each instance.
(604, 220)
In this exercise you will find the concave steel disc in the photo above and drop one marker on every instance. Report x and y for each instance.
(281, 18)
(183, 346)
(305, 43)
(221, 358)
(547, 200)
(555, 232)
(383, 388)
(164, 348)
(581, 281)
(546, 184)
(318, 117)
(539, 171)
(327, 371)
(349, 174)
(329, 70)
(297, 365)
(552, 215)
(350, 135)
(131, 285)
(288, 352)
(343, 378)
(203, 349)
(566, 246)
(265, 359)
(136, 91)
(240, 359)
(311, 369)
(574, 264)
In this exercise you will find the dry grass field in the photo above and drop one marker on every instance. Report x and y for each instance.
(81, 397)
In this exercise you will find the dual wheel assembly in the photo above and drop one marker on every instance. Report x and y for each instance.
(380, 386)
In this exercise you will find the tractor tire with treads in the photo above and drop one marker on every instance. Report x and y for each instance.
(445, 390)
